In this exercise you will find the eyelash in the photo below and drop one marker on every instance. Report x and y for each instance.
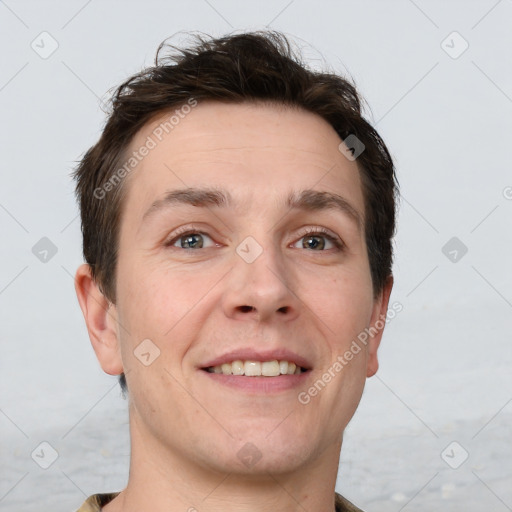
(189, 230)
(322, 231)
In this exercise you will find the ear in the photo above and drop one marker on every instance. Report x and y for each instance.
(377, 323)
(101, 319)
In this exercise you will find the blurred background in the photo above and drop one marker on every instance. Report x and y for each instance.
(433, 430)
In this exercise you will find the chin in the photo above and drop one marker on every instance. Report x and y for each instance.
(274, 453)
(267, 461)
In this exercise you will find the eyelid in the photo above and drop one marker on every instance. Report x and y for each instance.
(182, 231)
(310, 230)
(335, 239)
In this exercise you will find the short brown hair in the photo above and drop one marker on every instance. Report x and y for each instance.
(247, 67)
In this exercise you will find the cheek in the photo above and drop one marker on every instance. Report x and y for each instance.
(152, 299)
(159, 305)
(344, 302)
(144, 317)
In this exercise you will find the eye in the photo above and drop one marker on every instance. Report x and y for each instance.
(189, 240)
(320, 239)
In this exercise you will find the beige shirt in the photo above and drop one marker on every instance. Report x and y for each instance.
(95, 503)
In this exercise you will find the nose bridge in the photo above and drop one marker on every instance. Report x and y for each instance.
(259, 283)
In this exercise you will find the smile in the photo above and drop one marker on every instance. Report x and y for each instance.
(273, 368)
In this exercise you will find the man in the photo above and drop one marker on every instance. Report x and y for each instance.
(237, 217)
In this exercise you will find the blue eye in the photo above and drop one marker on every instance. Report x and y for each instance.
(316, 240)
(189, 240)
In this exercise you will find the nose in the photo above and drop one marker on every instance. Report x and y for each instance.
(261, 290)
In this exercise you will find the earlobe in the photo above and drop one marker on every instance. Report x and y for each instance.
(377, 324)
(101, 319)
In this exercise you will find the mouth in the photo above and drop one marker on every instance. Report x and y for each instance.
(258, 378)
(248, 368)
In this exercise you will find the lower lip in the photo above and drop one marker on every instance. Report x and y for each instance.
(260, 384)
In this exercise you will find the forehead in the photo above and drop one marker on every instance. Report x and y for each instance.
(247, 148)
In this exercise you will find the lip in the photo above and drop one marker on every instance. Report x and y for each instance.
(264, 385)
(248, 354)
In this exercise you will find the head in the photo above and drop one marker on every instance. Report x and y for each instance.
(228, 147)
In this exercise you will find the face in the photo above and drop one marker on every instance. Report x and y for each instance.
(264, 258)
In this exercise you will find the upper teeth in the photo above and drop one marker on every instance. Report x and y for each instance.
(257, 368)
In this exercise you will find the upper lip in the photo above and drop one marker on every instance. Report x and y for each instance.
(248, 354)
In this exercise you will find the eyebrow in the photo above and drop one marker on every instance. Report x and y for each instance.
(307, 200)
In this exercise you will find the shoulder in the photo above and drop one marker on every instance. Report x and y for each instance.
(343, 505)
(95, 502)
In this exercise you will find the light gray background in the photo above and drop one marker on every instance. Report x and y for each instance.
(446, 359)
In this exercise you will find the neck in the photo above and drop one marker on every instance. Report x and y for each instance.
(162, 479)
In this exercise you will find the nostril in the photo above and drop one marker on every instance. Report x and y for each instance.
(246, 309)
